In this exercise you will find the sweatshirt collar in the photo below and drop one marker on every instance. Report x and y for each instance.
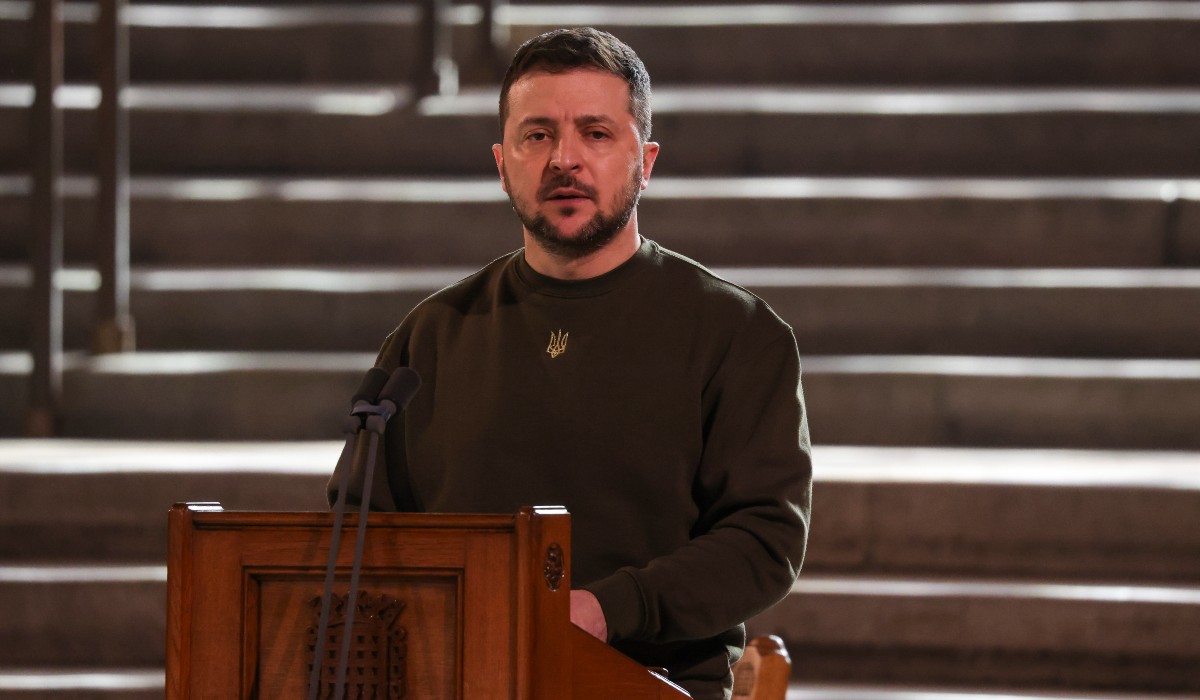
(593, 286)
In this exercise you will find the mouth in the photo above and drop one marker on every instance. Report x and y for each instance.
(566, 194)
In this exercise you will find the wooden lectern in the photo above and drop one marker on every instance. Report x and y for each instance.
(450, 606)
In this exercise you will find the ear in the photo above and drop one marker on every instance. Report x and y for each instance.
(498, 154)
(649, 155)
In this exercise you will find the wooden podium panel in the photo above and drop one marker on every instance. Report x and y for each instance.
(450, 606)
(282, 603)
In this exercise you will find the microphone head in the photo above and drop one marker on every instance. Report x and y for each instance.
(401, 387)
(372, 383)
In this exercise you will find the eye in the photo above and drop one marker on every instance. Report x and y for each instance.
(597, 135)
(537, 136)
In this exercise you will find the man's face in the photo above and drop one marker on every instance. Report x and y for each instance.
(572, 162)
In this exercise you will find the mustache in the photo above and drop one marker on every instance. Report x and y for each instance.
(564, 181)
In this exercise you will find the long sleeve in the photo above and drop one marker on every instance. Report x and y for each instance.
(754, 488)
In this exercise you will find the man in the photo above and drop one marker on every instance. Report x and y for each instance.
(596, 370)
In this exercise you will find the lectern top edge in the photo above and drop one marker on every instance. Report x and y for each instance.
(212, 514)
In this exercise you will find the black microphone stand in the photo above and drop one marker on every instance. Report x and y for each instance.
(369, 418)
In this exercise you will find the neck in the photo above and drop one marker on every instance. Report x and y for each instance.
(621, 248)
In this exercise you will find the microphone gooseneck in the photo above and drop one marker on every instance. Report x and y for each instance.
(379, 397)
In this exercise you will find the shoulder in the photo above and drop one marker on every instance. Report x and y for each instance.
(716, 300)
(443, 310)
(465, 294)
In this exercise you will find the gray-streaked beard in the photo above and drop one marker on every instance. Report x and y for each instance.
(593, 235)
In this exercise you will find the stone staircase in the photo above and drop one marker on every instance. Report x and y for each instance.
(1069, 569)
(982, 219)
(937, 572)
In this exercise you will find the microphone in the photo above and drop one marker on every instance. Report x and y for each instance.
(393, 397)
(372, 383)
(399, 390)
(379, 397)
(366, 396)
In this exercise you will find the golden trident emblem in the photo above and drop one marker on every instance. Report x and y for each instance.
(558, 343)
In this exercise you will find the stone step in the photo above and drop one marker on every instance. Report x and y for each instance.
(56, 683)
(204, 396)
(1049, 514)
(864, 630)
(876, 44)
(119, 492)
(1102, 43)
(799, 690)
(855, 400)
(707, 131)
(1055, 312)
(800, 221)
(1110, 637)
(83, 615)
(1004, 402)
(146, 684)
(139, 684)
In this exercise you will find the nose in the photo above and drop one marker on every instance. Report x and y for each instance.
(565, 155)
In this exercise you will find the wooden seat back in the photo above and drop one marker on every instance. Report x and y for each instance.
(763, 671)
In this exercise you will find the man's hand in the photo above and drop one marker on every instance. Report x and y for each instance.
(587, 615)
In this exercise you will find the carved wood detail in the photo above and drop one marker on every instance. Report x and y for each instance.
(378, 648)
(555, 568)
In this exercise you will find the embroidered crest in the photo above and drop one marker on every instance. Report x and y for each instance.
(558, 343)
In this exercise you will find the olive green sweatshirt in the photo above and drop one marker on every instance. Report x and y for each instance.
(659, 403)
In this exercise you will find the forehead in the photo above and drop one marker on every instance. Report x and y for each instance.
(540, 94)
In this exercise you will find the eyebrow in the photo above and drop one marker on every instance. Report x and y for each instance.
(586, 119)
(582, 120)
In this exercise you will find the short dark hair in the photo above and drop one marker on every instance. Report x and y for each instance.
(561, 50)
